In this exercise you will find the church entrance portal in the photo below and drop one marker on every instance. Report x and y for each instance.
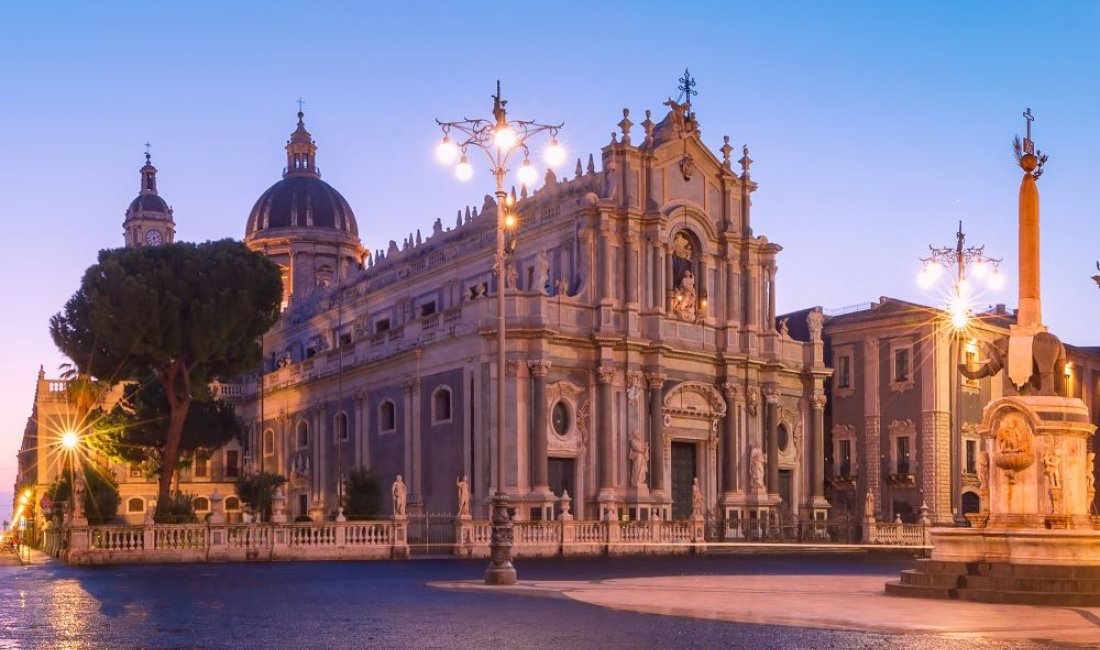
(683, 475)
(561, 473)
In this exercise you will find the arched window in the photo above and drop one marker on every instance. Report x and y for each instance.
(971, 502)
(269, 442)
(302, 435)
(135, 504)
(687, 284)
(441, 405)
(387, 416)
(232, 503)
(201, 504)
(340, 426)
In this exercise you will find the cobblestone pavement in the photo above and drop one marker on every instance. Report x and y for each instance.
(389, 605)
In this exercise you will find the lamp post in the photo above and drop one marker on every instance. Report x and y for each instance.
(966, 262)
(69, 441)
(499, 139)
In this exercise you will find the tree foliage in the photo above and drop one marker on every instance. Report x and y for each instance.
(187, 313)
(100, 493)
(135, 430)
(256, 490)
(363, 495)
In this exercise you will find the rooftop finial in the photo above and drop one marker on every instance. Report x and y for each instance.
(686, 88)
(148, 156)
(301, 114)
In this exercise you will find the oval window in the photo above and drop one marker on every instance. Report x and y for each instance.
(784, 439)
(559, 418)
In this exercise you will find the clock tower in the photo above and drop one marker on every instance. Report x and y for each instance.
(148, 220)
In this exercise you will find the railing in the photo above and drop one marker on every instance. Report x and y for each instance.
(179, 537)
(116, 538)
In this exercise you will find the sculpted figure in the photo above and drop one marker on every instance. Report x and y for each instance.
(685, 296)
(399, 495)
(1052, 467)
(511, 276)
(983, 471)
(696, 498)
(815, 323)
(869, 504)
(463, 496)
(756, 468)
(783, 330)
(542, 272)
(1011, 436)
(1090, 475)
(639, 459)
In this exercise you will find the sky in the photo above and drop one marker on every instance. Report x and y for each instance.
(875, 127)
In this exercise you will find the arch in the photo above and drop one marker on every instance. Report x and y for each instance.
(268, 442)
(340, 427)
(301, 434)
(200, 504)
(695, 398)
(971, 502)
(135, 505)
(441, 405)
(679, 212)
(387, 416)
(232, 503)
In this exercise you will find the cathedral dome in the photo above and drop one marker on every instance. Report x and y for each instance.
(301, 200)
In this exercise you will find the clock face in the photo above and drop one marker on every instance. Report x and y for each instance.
(154, 238)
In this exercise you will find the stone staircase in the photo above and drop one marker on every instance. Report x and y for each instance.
(1001, 583)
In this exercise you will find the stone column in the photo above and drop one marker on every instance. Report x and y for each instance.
(771, 424)
(733, 282)
(604, 374)
(754, 296)
(362, 431)
(817, 469)
(631, 267)
(656, 383)
(605, 255)
(539, 467)
(670, 277)
(659, 277)
(771, 300)
(729, 438)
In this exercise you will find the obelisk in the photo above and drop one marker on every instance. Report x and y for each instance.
(1030, 317)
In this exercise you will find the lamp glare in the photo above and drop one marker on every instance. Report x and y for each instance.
(69, 440)
(504, 138)
(527, 173)
(464, 170)
(446, 152)
(555, 153)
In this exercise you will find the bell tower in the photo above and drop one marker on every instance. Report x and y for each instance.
(149, 219)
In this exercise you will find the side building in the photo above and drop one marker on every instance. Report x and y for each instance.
(902, 419)
(642, 350)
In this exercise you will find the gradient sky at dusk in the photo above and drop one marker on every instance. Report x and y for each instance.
(875, 127)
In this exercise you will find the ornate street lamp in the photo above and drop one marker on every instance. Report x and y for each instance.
(500, 139)
(969, 264)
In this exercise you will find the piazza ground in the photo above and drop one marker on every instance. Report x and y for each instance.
(391, 605)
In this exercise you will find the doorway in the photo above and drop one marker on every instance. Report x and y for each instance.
(785, 490)
(683, 476)
(561, 473)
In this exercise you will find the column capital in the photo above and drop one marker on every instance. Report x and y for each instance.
(732, 390)
(412, 382)
(604, 374)
(771, 395)
(656, 380)
(818, 401)
(511, 368)
(538, 367)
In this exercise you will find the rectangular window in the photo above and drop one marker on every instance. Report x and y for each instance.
(901, 365)
(427, 309)
(903, 454)
(345, 339)
(232, 463)
(201, 468)
(845, 457)
(971, 456)
(844, 372)
(381, 325)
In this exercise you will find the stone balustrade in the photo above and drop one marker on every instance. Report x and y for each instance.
(897, 533)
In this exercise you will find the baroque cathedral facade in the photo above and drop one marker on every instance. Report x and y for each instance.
(643, 355)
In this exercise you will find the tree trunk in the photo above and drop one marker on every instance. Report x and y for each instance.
(178, 406)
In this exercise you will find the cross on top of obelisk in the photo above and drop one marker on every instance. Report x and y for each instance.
(301, 102)
(686, 87)
(1029, 145)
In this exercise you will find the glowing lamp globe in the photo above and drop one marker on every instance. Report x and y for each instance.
(464, 170)
(527, 174)
(996, 280)
(925, 279)
(981, 269)
(446, 152)
(504, 138)
(69, 440)
(554, 154)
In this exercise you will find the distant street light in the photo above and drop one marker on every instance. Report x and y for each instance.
(968, 264)
(499, 138)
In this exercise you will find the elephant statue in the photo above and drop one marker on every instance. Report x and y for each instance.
(1048, 362)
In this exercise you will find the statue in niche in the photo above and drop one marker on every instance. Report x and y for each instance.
(78, 496)
(869, 504)
(463, 485)
(1052, 468)
(1012, 436)
(399, 494)
(756, 468)
(639, 460)
(696, 498)
(681, 246)
(685, 297)
(511, 276)
(983, 471)
(542, 272)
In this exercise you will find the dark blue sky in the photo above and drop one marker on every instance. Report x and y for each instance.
(875, 127)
